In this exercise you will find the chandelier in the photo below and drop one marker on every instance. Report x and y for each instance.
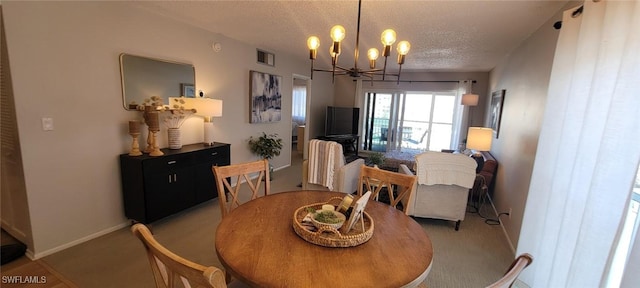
(338, 33)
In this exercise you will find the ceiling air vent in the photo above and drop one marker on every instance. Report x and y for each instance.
(266, 58)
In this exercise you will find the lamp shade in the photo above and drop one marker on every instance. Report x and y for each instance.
(209, 107)
(470, 99)
(479, 138)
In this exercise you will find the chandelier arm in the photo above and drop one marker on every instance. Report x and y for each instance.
(370, 76)
(373, 71)
(323, 70)
(327, 70)
(343, 69)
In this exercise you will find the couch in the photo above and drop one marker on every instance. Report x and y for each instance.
(444, 182)
(345, 177)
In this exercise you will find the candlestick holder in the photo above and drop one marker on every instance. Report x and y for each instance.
(151, 118)
(135, 147)
(150, 140)
(155, 150)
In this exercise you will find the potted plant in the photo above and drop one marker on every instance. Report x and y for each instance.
(266, 146)
(376, 158)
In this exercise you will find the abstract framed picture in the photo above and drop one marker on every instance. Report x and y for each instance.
(497, 101)
(265, 99)
(188, 90)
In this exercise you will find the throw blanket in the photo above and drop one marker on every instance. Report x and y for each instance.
(322, 155)
(445, 168)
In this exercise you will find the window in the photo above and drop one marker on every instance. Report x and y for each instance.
(627, 236)
(409, 121)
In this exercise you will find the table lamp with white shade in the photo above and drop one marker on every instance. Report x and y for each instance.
(208, 108)
(479, 139)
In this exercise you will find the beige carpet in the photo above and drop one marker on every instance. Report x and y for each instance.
(475, 256)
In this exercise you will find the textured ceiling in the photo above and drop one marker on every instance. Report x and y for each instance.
(452, 36)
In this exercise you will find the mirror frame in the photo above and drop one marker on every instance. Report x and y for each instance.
(166, 88)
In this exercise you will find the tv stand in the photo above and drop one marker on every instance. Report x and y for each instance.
(349, 142)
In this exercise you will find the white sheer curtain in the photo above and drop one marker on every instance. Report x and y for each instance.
(461, 116)
(588, 150)
(299, 109)
(299, 103)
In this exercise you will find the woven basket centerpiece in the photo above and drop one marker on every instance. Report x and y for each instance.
(328, 236)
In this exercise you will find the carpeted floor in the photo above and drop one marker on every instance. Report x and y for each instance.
(474, 256)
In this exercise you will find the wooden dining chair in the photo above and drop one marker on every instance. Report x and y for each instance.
(241, 172)
(514, 270)
(169, 268)
(399, 186)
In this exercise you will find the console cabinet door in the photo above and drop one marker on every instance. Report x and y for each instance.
(205, 182)
(156, 187)
(168, 193)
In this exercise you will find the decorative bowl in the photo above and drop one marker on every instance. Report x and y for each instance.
(329, 218)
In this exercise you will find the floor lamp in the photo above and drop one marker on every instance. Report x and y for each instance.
(469, 99)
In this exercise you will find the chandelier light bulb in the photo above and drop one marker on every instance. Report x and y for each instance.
(388, 37)
(373, 54)
(313, 43)
(403, 47)
(337, 33)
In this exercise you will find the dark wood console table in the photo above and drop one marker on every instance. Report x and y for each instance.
(156, 187)
(350, 143)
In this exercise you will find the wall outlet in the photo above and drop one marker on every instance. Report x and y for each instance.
(47, 124)
(510, 212)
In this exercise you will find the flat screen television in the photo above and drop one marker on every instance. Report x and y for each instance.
(342, 121)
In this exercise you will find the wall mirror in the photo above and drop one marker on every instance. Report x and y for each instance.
(144, 77)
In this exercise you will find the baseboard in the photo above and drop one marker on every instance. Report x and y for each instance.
(39, 255)
(283, 167)
(513, 249)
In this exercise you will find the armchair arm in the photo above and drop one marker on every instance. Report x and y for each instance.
(405, 170)
(410, 202)
(348, 176)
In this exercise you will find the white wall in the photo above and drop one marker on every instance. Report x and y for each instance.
(524, 73)
(64, 63)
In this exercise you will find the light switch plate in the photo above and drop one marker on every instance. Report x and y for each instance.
(47, 124)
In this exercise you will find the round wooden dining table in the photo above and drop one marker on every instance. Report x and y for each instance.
(256, 243)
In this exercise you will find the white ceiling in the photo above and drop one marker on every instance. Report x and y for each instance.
(454, 36)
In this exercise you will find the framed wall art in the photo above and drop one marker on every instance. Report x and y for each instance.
(188, 90)
(265, 99)
(497, 101)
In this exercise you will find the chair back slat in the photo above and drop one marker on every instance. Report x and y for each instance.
(241, 173)
(399, 186)
(167, 266)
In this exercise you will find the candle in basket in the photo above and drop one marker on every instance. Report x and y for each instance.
(328, 207)
(134, 126)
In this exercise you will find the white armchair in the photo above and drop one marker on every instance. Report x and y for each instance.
(444, 180)
(345, 176)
